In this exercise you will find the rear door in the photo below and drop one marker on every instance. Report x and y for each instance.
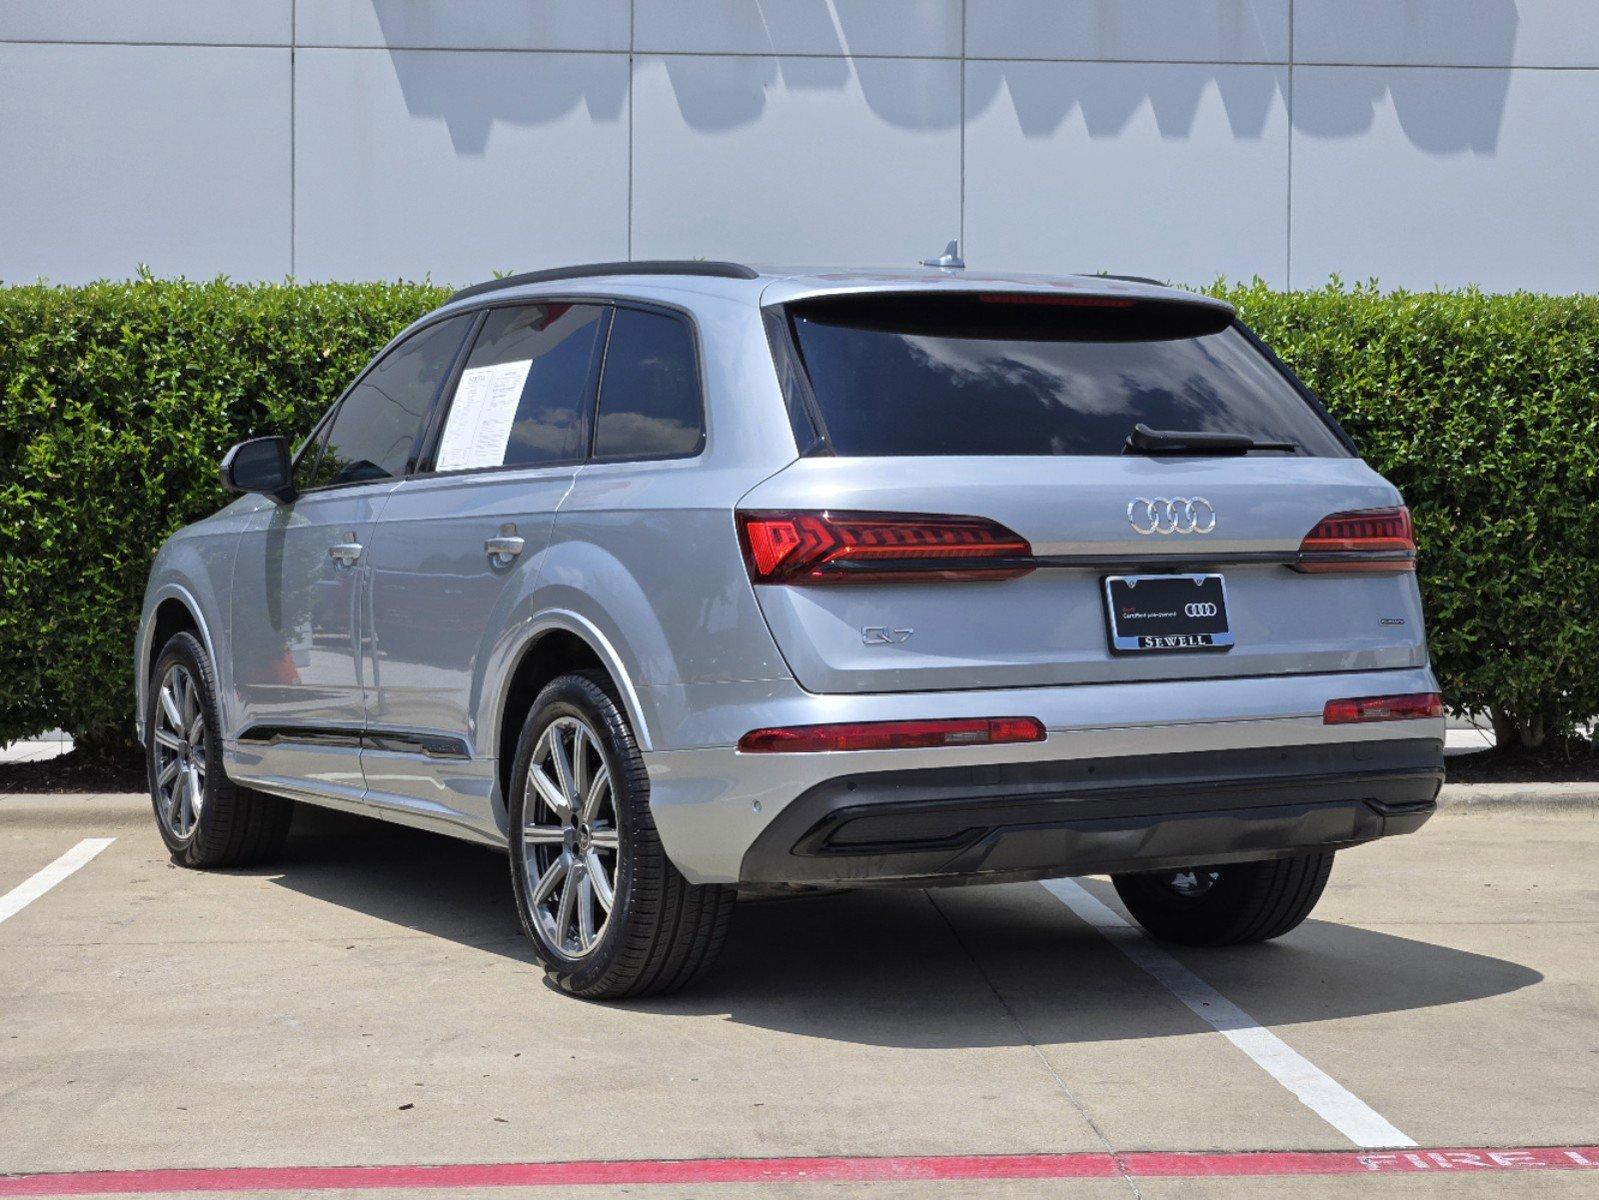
(1017, 410)
(454, 546)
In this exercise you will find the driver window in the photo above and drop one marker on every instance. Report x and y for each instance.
(308, 459)
(373, 431)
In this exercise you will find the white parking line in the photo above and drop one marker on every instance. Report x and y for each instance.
(1316, 1090)
(36, 885)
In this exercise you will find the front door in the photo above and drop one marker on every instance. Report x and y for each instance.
(297, 588)
(301, 584)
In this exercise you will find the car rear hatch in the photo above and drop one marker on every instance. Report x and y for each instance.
(1012, 414)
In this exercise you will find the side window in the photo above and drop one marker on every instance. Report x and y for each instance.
(524, 395)
(650, 403)
(307, 463)
(372, 433)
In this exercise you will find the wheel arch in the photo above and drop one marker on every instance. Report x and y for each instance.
(170, 610)
(554, 644)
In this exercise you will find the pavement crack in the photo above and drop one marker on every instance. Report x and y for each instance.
(1043, 1058)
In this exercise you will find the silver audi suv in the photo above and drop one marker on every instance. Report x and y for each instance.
(677, 580)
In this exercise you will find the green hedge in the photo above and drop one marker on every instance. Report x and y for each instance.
(1484, 411)
(120, 398)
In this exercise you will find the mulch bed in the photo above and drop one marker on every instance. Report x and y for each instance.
(76, 771)
(1576, 761)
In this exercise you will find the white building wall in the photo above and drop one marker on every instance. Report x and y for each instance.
(1422, 142)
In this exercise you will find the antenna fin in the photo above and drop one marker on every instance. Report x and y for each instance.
(950, 260)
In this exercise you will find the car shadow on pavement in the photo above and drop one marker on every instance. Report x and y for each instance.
(436, 885)
(949, 968)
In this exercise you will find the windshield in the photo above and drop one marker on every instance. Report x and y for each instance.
(1008, 374)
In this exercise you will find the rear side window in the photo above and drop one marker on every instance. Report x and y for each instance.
(524, 394)
(1002, 375)
(650, 404)
(375, 427)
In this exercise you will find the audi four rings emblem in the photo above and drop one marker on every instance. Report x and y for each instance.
(1200, 609)
(1182, 515)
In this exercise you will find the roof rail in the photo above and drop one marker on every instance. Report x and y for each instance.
(716, 270)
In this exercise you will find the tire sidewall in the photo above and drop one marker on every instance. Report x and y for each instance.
(182, 649)
(577, 696)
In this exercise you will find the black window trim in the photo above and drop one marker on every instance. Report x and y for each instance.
(804, 413)
(684, 318)
(428, 453)
(394, 344)
(427, 440)
(435, 430)
(314, 443)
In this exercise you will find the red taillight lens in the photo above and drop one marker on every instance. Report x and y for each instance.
(834, 547)
(1410, 707)
(892, 735)
(1378, 539)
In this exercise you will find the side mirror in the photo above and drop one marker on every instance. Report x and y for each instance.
(260, 465)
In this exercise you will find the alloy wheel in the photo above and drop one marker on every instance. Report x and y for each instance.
(1193, 882)
(570, 838)
(179, 751)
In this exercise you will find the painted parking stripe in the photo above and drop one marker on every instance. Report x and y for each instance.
(36, 885)
(1315, 1089)
(1155, 1164)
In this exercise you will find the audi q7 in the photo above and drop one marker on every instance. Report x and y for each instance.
(681, 579)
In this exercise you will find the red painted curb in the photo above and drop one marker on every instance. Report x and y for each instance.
(1150, 1164)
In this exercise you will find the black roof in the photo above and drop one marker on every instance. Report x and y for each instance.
(716, 270)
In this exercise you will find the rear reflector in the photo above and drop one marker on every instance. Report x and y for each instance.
(1411, 707)
(892, 735)
(1377, 539)
(834, 547)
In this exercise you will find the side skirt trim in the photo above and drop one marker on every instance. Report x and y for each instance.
(428, 745)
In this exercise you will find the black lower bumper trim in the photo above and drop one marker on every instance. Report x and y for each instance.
(1137, 813)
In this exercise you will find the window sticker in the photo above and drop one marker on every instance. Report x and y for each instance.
(479, 425)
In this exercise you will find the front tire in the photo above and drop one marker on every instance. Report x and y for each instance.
(205, 819)
(1226, 905)
(609, 915)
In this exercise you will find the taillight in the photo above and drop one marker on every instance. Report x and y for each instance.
(892, 735)
(1377, 539)
(1412, 706)
(835, 547)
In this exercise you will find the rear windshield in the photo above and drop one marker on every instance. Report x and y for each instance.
(1003, 374)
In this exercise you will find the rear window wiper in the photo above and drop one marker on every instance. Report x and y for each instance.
(1144, 440)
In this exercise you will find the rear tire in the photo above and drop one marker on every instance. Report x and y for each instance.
(658, 932)
(1226, 905)
(205, 819)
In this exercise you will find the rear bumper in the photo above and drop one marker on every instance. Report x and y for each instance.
(1160, 742)
(1030, 820)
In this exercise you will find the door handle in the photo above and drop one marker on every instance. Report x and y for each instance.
(504, 548)
(346, 552)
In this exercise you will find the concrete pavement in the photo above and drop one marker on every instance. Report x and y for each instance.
(369, 1001)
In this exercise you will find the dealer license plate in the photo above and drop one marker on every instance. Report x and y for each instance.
(1167, 613)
